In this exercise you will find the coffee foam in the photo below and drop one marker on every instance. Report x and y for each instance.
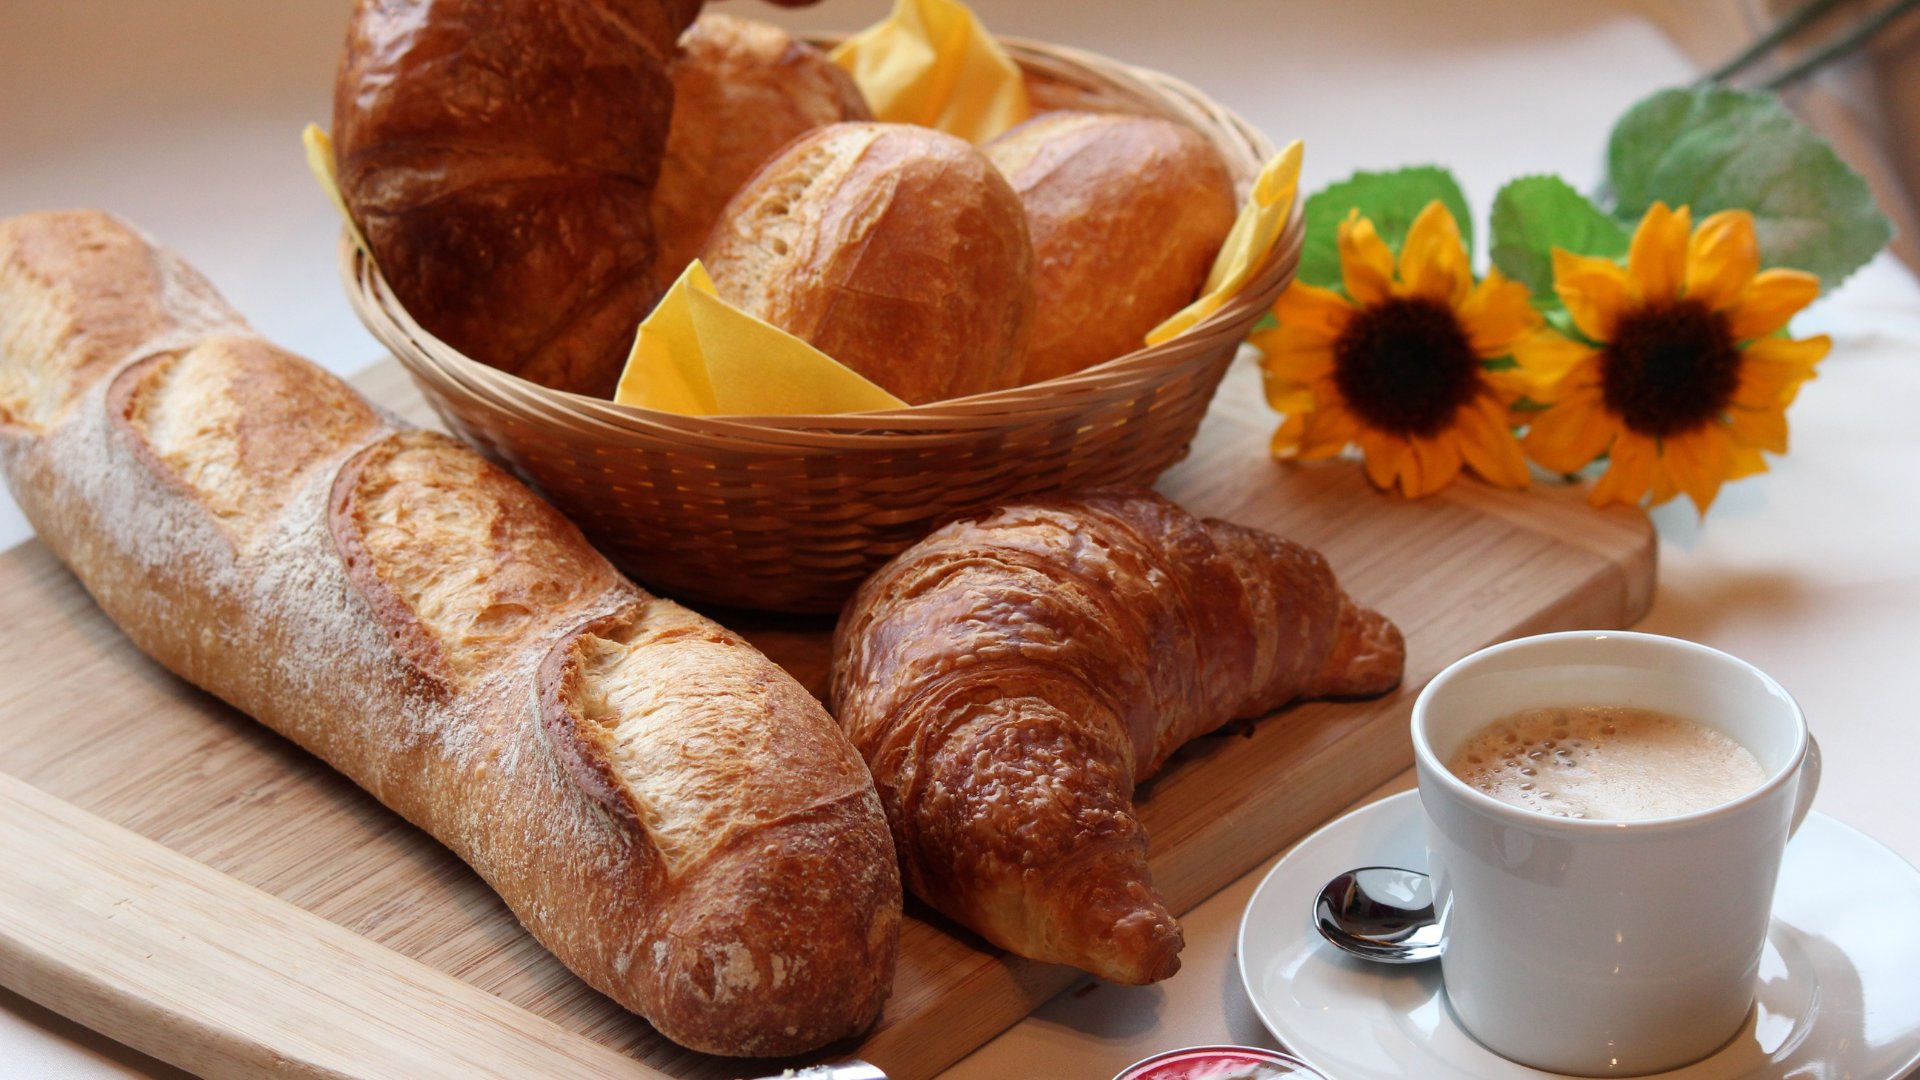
(1606, 763)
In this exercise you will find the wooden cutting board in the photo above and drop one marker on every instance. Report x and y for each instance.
(179, 878)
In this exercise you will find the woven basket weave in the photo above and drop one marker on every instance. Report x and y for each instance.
(790, 513)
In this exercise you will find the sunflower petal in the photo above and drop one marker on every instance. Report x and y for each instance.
(1508, 384)
(1488, 444)
(1292, 354)
(1657, 260)
(1661, 486)
(1569, 436)
(1310, 309)
(1630, 468)
(1288, 397)
(1761, 429)
(1770, 301)
(1384, 456)
(1746, 462)
(1773, 369)
(1286, 437)
(1722, 258)
(1547, 358)
(1433, 261)
(1436, 463)
(1495, 315)
(1330, 430)
(1698, 463)
(1596, 291)
(1366, 265)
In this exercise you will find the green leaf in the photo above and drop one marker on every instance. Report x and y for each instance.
(1714, 148)
(1391, 200)
(1535, 214)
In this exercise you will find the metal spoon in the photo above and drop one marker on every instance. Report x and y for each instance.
(853, 1069)
(1380, 913)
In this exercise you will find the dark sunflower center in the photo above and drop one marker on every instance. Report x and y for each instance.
(1405, 366)
(1670, 368)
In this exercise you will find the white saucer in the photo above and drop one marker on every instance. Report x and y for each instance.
(1839, 988)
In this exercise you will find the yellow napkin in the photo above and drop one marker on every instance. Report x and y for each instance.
(698, 355)
(1254, 233)
(320, 159)
(931, 63)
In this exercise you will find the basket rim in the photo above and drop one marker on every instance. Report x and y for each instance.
(1051, 400)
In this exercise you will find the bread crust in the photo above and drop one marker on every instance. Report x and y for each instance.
(407, 611)
(742, 90)
(500, 157)
(895, 249)
(1011, 679)
(1126, 214)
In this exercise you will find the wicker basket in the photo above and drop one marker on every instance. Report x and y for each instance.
(790, 513)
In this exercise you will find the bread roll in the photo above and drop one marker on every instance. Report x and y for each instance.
(1014, 676)
(500, 158)
(661, 806)
(1126, 214)
(897, 250)
(742, 89)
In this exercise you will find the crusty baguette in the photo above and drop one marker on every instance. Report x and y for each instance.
(661, 806)
(1013, 676)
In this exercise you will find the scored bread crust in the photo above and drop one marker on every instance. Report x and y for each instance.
(1126, 214)
(742, 90)
(659, 804)
(895, 249)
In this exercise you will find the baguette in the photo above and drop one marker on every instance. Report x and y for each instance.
(660, 805)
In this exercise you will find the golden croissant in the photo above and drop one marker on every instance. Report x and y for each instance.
(1012, 677)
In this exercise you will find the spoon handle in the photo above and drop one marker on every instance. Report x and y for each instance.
(844, 1070)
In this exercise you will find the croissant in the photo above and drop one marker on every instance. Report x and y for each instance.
(500, 157)
(1011, 679)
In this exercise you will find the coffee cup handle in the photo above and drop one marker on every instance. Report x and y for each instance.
(1809, 784)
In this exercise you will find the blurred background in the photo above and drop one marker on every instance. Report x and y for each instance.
(184, 117)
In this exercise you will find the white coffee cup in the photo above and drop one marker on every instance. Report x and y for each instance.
(1607, 948)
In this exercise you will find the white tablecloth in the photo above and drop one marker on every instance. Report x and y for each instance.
(183, 117)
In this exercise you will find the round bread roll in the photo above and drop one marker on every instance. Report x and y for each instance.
(895, 249)
(742, 89)
(1126, 214)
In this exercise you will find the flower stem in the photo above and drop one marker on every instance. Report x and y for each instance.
(1765, 44)
(1847, 43)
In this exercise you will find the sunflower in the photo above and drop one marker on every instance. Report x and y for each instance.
(1399, 363)
(1684, 374)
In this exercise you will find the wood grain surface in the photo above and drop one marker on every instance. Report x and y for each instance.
(136, 753)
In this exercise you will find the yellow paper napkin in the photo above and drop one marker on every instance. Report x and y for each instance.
(320, 160)
(1247, 246)
(698, 355)
(931, 63)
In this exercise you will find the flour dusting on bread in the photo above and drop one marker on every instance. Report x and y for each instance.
(388, 600)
